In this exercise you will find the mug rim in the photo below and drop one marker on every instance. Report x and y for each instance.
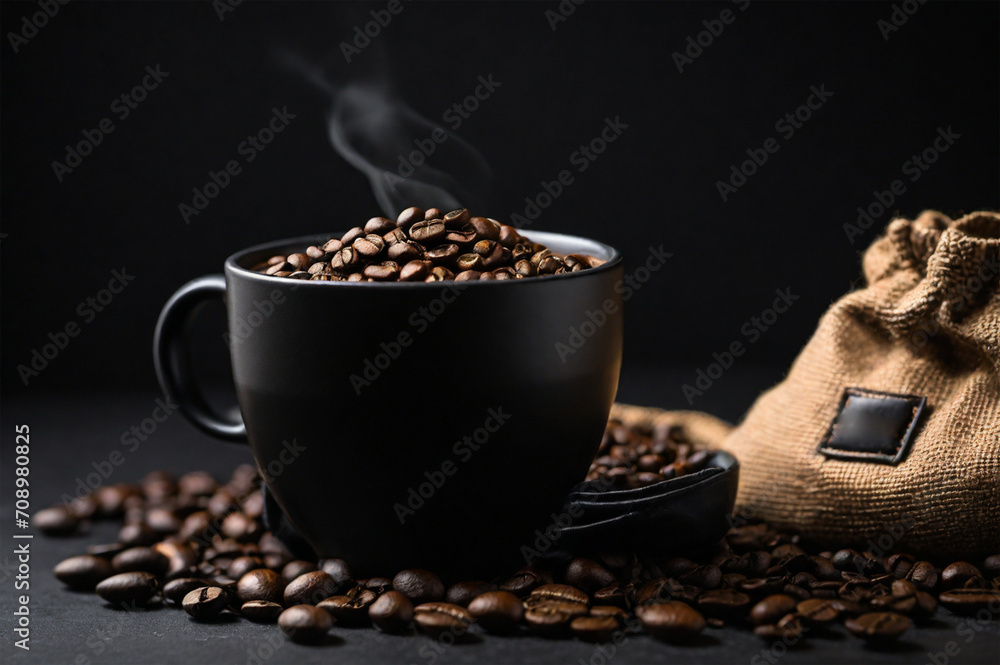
(232, 265)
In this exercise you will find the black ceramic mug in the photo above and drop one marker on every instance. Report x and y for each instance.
(408, 424)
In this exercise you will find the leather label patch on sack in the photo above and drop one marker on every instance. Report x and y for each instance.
(873, 426)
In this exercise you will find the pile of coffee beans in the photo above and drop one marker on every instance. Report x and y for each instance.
(194, 544)
(426, 246)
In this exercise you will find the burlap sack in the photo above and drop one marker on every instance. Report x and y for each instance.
(885, 434)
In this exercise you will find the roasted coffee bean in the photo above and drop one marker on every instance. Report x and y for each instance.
(505, 273)
(723, 603)
(377, 584)
(704, 577)
(970, 601)
(456, 219)
(136, 534)
(338, 570)
(437, 619)
(293, 569)
(525, 268)
(83, 572)
(469, 262)
(428, 231)
(991, 566)
(175, 590)
(299, 261)
(817, 611)
(509, 236)
(485, 229)
(771, 609)
(614, 594)
(305, 624)
(144, 559)
(386, 271)
(551, 616)
(433, 213)
(420, 586)
(369, 246)
(463, 592)
(352, 235)
(409, 217)
(128, 589)
(55, 521)
(443, 254)
(345, 260)
(241, 527)
(498, 612)
(468, 276)
(672, 621)
(332, 246)
(352, 609)
(206, 603)
(588, 575)
(562, 592)
(391, 612)
(440, 274)
(525, 580)
(261, 611)
(878, 626)
(595, 628)
(277, 268)
(617, 613)
(310, 588)
(415, 271)
(790, 630)
(463, 237)
(957, 574)
(242, 565)
(315, 253)
(261, 584)
(379, 225)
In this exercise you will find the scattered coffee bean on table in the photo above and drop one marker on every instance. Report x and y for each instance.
(201, 545)
(421, 246)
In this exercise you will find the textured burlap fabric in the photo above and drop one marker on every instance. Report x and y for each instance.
(926, 326)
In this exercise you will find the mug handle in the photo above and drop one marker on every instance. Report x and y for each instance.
(173, 363)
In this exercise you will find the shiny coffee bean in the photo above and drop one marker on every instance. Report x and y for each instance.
(350, 609)
(55, 521)
(352, 235)
(128, 589)
(415, 271)
(433, 213)
(332, 246)
(437, 619)
(206, 603)
(970, 601)
(83, 572)
(242, 565)
(771, 609)
(923, 575)
(305, 624)
(817, 611)
(420, 586)
(469, 262)
(443, 254)
(409, 217)
(595, 629)
(498, 612)
(293, 569)
(673, 621)
(391, 612)
(387, 271)
(261, 611)
(957, 574)
(524, 581)
(485, 229)
(588, 575)
(369, 246)
(878, 627)
(144, 559)
(260, 584)
(338, 570)
(468, 276)
(175, 590)
(614, 594)
(548, 616)
(427, 232)
(463, 592)
(379, 225)
(562, 592)
(309, 589)
(723, 603)
(456, 219)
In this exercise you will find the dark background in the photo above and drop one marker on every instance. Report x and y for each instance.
(655, 185)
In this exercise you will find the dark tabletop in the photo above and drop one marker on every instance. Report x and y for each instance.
(69, 434)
